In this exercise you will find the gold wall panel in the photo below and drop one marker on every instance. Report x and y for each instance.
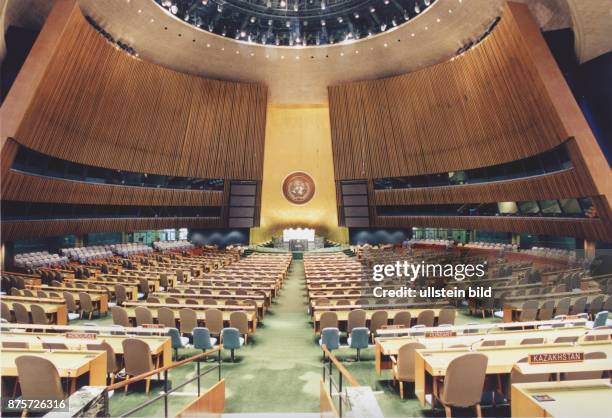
(298, 138)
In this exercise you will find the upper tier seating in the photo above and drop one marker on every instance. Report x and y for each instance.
(39, 259)
(173, 245)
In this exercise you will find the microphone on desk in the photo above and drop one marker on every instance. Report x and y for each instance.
(476, 342)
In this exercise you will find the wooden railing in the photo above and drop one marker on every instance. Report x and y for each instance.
(167, 391)
(338, 382)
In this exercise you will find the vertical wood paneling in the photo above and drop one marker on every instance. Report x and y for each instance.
(98, 106)
(485, 107)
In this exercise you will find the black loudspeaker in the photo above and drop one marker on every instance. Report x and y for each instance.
(242, 204)
(355, 211)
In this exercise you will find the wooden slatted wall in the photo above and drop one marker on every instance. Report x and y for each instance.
(486, 107)
(99, 106)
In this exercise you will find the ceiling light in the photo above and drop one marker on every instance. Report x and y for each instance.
(283, 3)
(385, 45)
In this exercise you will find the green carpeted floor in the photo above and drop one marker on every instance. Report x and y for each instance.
(279, 370)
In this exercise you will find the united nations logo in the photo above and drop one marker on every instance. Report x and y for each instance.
(298, 188)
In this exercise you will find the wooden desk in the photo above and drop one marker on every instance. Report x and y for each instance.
(590, 365)
(221, 299)
(55, 309)
(215, 292)
(69, 363)
(200, 314)
(270, 291)
(99, 297)
(110, 285)
(430, 365)
(149, 277)
(343, 316)
(160, 346)
(514, 306)
(389, 346)
(574, 398)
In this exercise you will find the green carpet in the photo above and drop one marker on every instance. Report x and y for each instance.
(279, 370)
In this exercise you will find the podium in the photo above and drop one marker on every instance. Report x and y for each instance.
(298, 245)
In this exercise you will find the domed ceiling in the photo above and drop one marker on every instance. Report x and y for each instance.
(301, 74)
(295, 22)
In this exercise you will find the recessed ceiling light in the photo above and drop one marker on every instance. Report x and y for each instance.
(207, 45)
(139, 10)
(356, 52)
(342, 54)
(237, 52)
(385, 45)
(282, 57)
(152, 20)
(438, 20)
(252, 54)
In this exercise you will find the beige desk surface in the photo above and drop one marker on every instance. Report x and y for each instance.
(73, 290)
(179, 306)
(201, 315)
(35, 339)
(260, 299)
(573, 398)
(519, 300)
(502, 359)
(584, 366)
(390, 345)
(343, 315)
(266, 289)
(69, 363)
(50, 306)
